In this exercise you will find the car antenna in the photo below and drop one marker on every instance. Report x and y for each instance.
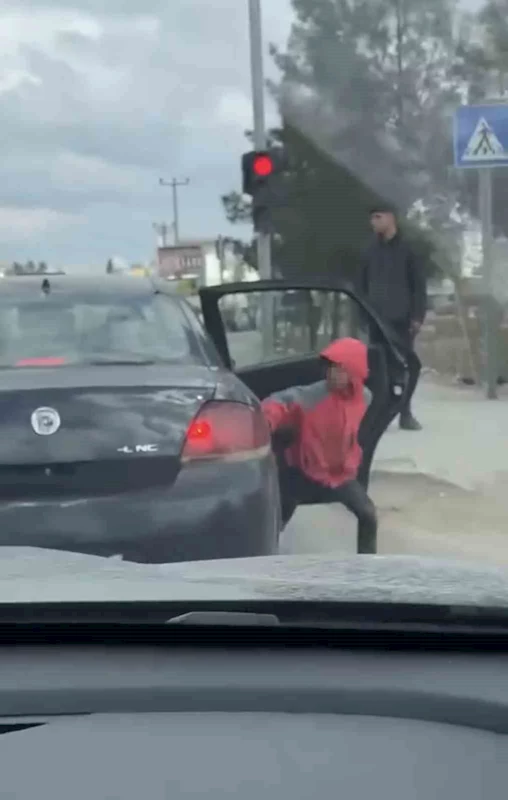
(46, 286)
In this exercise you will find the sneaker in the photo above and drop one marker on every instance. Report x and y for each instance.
(409, 423)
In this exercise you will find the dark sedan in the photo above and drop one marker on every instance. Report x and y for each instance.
(120, 431)
(124, 430)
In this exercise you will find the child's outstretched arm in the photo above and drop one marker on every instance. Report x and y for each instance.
(281, 415)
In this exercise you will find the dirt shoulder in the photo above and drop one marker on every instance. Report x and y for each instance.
(430, 516)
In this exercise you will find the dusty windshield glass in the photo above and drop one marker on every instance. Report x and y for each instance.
(319, 187)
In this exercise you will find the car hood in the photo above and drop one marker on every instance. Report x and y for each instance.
(30, 575)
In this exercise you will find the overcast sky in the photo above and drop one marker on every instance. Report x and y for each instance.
(96, 106)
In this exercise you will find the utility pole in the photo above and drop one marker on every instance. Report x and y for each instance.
(490, 317)
(175, 185)
(162, 229)
(490, 321)
(220, 246)
(258, 112)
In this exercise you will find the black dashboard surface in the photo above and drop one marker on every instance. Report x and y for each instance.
(156, 756)
(149, 723)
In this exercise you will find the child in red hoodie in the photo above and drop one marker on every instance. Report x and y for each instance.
(321, 463)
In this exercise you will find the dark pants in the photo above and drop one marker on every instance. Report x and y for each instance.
(405, 337)
(297, 489)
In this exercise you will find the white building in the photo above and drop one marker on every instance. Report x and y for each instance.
(208, 262)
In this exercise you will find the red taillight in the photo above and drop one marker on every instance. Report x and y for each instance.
(223, 429)
(47, 361)
(199, 431)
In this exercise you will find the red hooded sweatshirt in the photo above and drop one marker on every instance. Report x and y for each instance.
(326, 449)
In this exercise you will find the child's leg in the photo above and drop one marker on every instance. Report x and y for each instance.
(353, 496)
(288, 490)
(288, 499)
(295, 489)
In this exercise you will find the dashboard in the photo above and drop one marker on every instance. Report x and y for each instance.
(148, 723)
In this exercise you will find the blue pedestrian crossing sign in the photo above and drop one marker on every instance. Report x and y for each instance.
(480, 136)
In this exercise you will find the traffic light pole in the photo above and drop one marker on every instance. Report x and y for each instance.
(258, 109)
(264, 244)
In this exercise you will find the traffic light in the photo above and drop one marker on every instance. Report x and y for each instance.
(256, 168)
(262, 174)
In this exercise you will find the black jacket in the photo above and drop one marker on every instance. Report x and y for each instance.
(393, 281)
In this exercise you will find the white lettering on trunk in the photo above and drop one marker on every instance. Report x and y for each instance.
(139, 448)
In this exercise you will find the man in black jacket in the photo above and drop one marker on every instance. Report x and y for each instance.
(393, 282)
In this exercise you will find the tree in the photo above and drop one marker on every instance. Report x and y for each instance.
(366, 80)
(323, 227)
(493, 19)
(236, 208)
(29, 267)
(366, 98)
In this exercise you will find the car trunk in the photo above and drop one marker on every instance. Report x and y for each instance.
(122, 428)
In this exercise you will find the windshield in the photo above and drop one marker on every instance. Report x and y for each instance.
(317, 193)
(90, 328)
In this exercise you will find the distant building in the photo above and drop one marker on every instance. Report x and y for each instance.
(187, 260)
(206, 262)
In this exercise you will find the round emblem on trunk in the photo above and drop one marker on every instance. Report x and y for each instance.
(45, 421)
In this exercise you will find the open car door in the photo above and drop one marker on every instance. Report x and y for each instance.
(270, 334)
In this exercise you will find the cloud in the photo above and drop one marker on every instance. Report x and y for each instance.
(96, 105)
(18, 224)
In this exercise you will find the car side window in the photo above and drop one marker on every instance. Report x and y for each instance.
(263, 327)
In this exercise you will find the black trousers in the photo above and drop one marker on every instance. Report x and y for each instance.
(406, 338)
(298, 489)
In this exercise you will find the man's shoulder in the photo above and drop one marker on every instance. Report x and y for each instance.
(403, 248)
(371, 252)
(405, 245)
(372, 245)
(400, 244)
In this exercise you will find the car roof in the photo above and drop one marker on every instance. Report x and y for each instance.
(116, 285)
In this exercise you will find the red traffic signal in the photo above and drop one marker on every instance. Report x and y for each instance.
(262, 165)
(261, 169)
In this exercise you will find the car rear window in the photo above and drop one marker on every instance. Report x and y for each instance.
(65, 329)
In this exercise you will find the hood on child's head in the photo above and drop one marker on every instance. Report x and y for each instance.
(350, 354)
